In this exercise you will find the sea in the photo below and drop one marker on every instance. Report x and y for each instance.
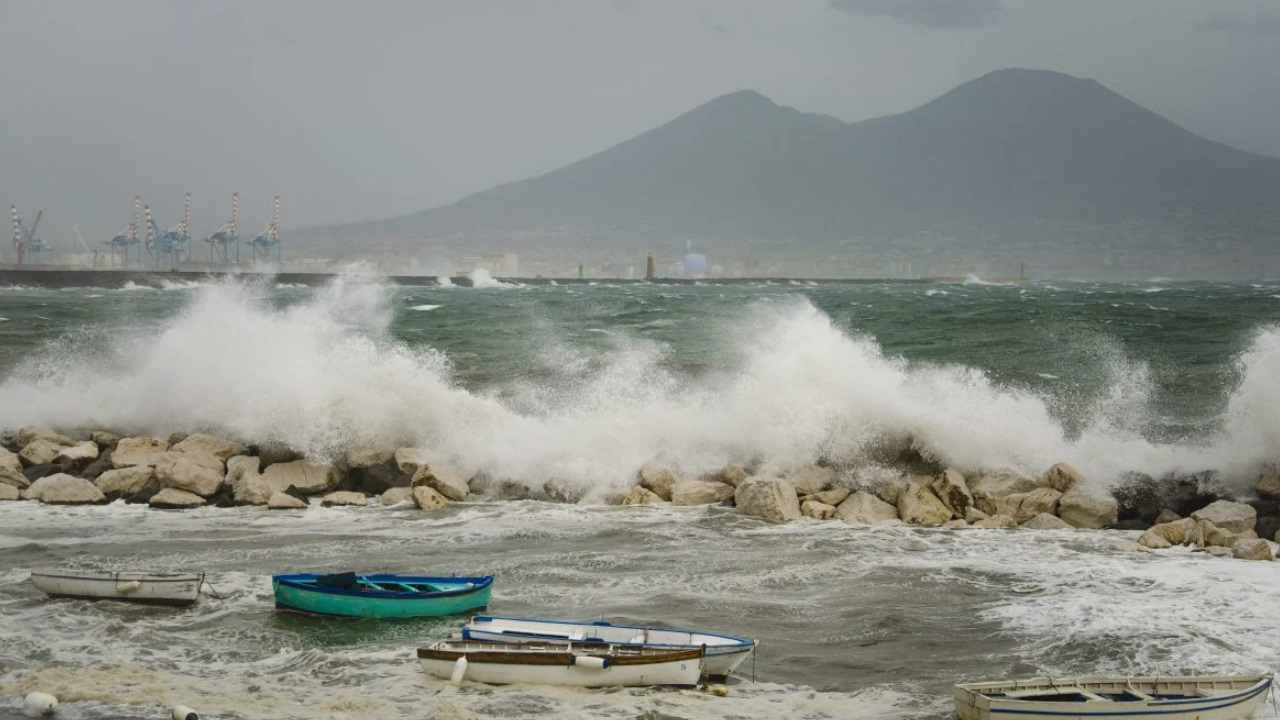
(583, 383)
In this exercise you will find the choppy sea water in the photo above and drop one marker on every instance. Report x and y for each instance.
(586, 382)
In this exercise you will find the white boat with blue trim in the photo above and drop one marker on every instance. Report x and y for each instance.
(724, 653)
(557, 663)
(1208, 697)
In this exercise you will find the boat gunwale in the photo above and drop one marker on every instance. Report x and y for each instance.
(478, 583)
(123, 575)
(554, 656)
(739, 641)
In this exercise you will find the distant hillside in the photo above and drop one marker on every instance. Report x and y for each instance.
(1024, 161)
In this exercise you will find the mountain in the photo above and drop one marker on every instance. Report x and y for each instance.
(1025, 163)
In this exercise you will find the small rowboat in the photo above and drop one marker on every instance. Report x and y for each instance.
(724, 652)
(380, 596)
(151, 588)
(1219, 697)
(553, 663)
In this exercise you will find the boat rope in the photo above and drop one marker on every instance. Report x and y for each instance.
(755, 647)
(204, 583)
(1275, 703)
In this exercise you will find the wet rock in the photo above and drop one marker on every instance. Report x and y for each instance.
(104, 439)
(201, 443)
(445, 480)
(1230, 516)
(63, 489)
(9, 492)
(408, 460)
(28, 435)
(138, 451)
(1253, 550)
(77, 456)
(1154, 541)
(176, 437)
(271, 453)
(700, 492)
(35, 472)
(987, 487)
(956, 524)
(376, 479)
(657, 479)
(1167, 515)
(1086, 510)
(195, 472)
(1045, 521)
(136, 483)
(1221, 552)
(310, 478)
(245, 481)
(1063, 477)
(730, 475)
(996, 522)
(497, 489)
(1142, 497)
(1268, 485)
(397, 495)
(771, 499)
(863, 508)
(361, 457)
(973, 515)
(888, 489)
(344, 497)
(97, 467)
(1179, 532)
(832, 497)
(40, 452)
(174, 499)
(11, 470)
(641, 496)
(428, 499)
(562, 491)
(1215, 536)
(918, 505)
(817, 510)
(950, 487)
(284, 501)
(810, 479)
(1024, 506)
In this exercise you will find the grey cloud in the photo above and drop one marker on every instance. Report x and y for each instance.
(927, 13)
(1261, 24)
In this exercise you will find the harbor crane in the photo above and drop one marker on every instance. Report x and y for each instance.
(124, 242)
(229, 234)
(267, 243)
(25, 241)
(174, 244)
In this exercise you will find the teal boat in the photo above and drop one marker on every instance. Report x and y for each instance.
(380, 596)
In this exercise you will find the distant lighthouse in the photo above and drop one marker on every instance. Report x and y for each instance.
(650, 269)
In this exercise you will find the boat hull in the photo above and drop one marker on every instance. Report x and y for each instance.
(724, 653)
(173, 590)
(294, 598)
(498, 668)
(1231, 699)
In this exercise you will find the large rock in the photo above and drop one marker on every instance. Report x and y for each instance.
(104, 439)
(832, 497)
(196, 472)
(11, 470)
(270, 453)
(376, 479)
(428, 499)
(562, 491)
(918, 505)
(1230, 516)
(344, 497)
(1256, 549)
(443, 479)
(973, 515)
(136, 483)
(1167, 515)
(245, 480)
(79, 455)
(995, 522)
(731, 474)
(40, 452)
(308, 477)
(1087, 510)
(362, 457)
(63, 489)
(951, 489)
(1063, 477)
(863, 508)
(209, 445)
(810, 479)
(9, 492)
(817, 510)
(397, 495)
(987, 487)
(700, 492)
(1024, 506)
(28, 435)
(496, 488)
(1186, 531)
(1269, 484)
(174, 499)
(1141, 497)
(284, 501)
(771, 499)
(1215, 536)
(1045, 521)
(408, 460)
(138, 451)
(657, 479)
(641, 496)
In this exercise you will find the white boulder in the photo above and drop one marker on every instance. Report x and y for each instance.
(1063, 477)
(133, 482)
(863, 508)
(11, 470)
(951, 489)
(641, 496)
(1024, 506)
(79, 454)
(344, 497)
(397, 495)
(700, 492)
(202, 443)
(1084, 509)
(40, 452)
(817, 510)
(9, 492)
(657, 479)
(428, 499)
(28, 435)
(771, 499)
(138, 451)
(1230, 516)
(987, 487)
(918, 505)
(285, 501)
(810, 479)
(308, 477)
(408, 460)
(1045, 521)
(63, 489)
(196, 472)
(1256, 549)
(174, 499)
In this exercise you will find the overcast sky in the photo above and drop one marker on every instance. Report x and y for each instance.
(365, 110)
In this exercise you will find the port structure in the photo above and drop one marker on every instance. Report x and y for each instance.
(26, 244)
(266, 245)
(221, 242)
(173, 246)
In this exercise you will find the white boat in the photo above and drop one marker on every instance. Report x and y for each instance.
(154, 588)
(554, 663)
(1209, 697)
(724, 652)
